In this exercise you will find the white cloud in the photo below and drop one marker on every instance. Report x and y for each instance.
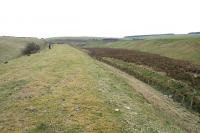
(43, 18)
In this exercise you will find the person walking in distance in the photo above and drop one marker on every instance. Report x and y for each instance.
(49, 46)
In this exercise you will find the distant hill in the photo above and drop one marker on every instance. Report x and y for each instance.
(194, 33)
(149, 36)
(80, 40)
(184, 47)
(71, 40)
(177, 46)
(11, 47)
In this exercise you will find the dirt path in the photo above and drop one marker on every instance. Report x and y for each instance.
(165, 106)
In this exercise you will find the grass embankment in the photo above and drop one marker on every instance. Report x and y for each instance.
(11, 47)
(65, 90)
(178, 47)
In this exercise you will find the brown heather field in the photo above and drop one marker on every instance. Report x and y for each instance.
(187, 91)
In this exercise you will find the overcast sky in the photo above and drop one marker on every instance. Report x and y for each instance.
(109, 18)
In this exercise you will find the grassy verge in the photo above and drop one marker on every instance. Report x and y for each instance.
(65, 90)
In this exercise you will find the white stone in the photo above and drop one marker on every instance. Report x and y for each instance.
(116, 110)
(127, 107)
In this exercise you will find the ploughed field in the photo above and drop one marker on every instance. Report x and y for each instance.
(178, 79)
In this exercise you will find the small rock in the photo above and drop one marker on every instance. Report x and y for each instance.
(170, 96)
(127, 107)
(196, 75)
(77, 108)
(116, 110)
(135, 113)
(5, 62)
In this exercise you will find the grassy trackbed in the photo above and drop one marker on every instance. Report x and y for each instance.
(65, 90)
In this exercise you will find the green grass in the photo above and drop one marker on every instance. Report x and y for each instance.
(10, 88)
(65, 90)
(185, 47)
(11, 47)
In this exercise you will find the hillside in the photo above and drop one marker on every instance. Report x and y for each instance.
(11, 47)
(65, 90)
(81, 41)
(184, 47)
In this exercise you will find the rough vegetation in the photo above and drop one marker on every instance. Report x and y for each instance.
(187, 92)
(30, 48)
(68, 91)
(65, 90)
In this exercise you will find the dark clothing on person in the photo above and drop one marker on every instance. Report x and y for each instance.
(49, 46)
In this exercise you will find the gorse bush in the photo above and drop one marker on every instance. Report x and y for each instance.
(30, 49)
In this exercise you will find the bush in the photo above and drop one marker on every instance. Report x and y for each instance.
(30, 49)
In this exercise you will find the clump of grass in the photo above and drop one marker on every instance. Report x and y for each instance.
(42, 127)
(75, 128)
(10, 88)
